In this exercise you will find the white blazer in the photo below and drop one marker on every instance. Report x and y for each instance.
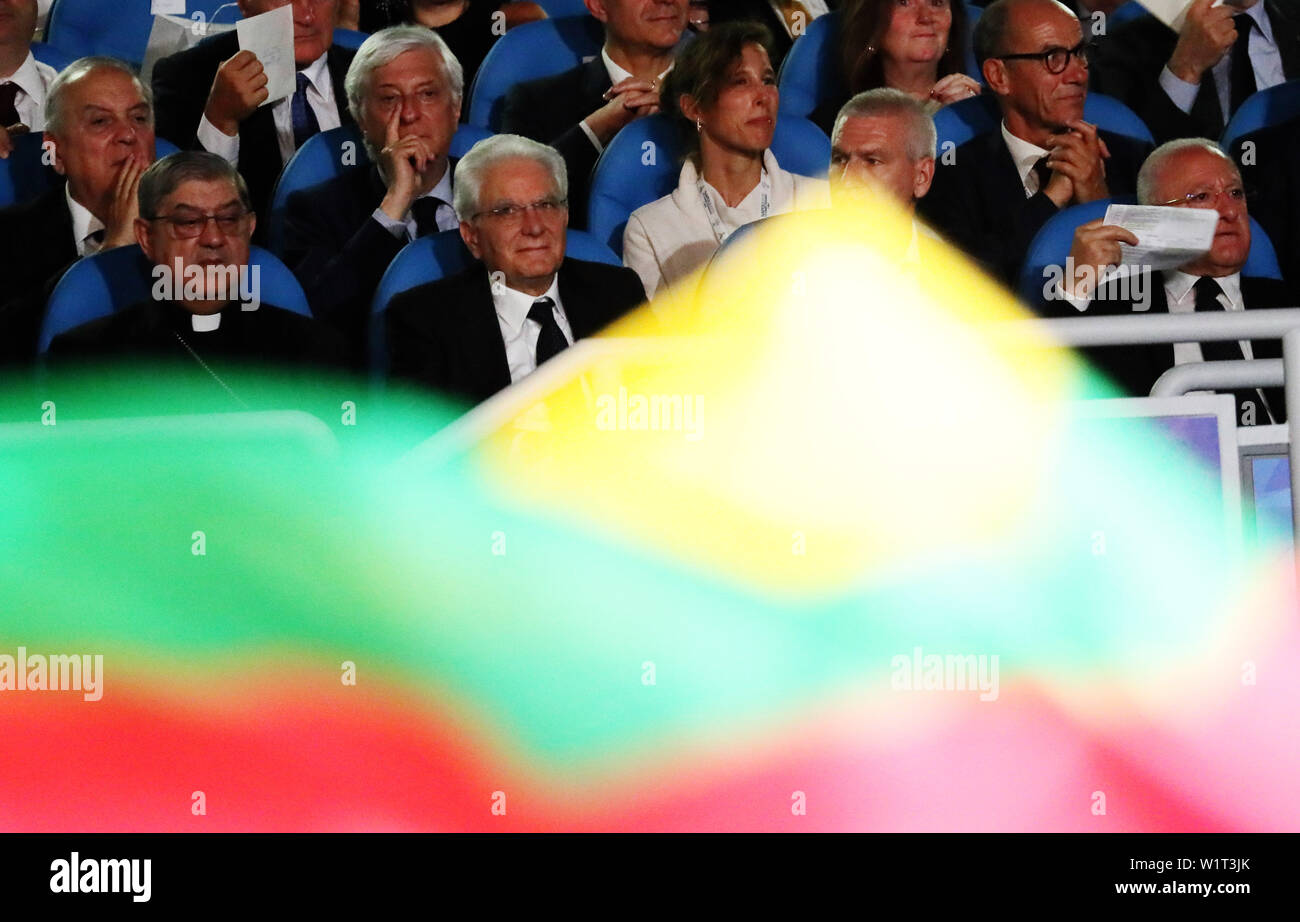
(667, 240)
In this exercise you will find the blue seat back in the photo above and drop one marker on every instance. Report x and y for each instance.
(99, 285)
(119, 28)
(969, 118)
(1051, 246)
(557, 9)
(23, 175)
(332, 153)
(810, 73)
(644, 160)
(1126, 12)
(350, 39)
(1264, 109)
(527, 52)
(48, 54)
(438, 256)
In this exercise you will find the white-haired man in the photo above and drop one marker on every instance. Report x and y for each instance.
(404, 89)
(1187, 173)
(524, 301)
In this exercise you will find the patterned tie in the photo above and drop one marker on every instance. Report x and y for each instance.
(1207, 299)
(551, 342)
(425, 212)
(304, 118)
(1241, 75)
(8, 112)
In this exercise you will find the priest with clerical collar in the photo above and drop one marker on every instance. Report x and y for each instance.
(195, 227)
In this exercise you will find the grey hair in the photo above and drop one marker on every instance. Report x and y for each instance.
(82, 67)
(1149, 173)
(166, 175)
(922, 140)
(384, 47)
(471, 168)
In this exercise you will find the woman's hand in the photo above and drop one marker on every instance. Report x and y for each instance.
(952, 88)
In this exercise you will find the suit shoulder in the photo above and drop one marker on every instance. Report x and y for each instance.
(327, 195)
(449, 290)
(551, 86)
(206, 54)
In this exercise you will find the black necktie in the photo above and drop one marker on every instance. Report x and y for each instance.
(1241, 74)
(1207, 299)
(8, 112)
(425, 212)
(551, 341)
(1043, 172)
(304, 117)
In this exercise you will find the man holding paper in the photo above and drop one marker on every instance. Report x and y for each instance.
(255, 95)
(996, 190)
(1186, 68)
(1181, 177)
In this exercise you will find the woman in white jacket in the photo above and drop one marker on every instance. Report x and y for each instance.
(723, 89)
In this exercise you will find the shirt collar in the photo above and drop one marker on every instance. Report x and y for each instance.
(513, 306)
(1023, 154)
(28, 78)
(83, 222)
(1178, 284)
(1260, 15)
(616, 73)
(318, 75)
(205, 323)
(442, 189)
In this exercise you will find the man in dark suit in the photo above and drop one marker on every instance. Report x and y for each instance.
(1187, 173)
(1270, 169)
(195, 226)
(1001, 187)
(101, 131)
(579, 111)
(475, 333)
(210, 97)
(1188, 84)
(404, 90)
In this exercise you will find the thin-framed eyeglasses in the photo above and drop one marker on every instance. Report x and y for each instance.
(189, 224)
(510, 212)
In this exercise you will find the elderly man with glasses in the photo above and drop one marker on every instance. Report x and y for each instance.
(524, 300)
(1187, 173)
(992, 194)
(195, 225)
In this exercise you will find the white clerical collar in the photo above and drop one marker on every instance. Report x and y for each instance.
(1178, 284)
(83, 222)
(1023, 154)
(617, 74)
(28, 79)
(205, 323)
(513, 306)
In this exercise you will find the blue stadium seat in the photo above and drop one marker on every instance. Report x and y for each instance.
(1051, 246)
(350, 38)
(527, 52)
(623, 181)
(24, 177)
(1126, 13)
(1264, 109)
(810, 73)
(962, 121)
(107, 282)
(48, 54)
(119, 28)
(557, 9)
(441, 255)
(322, 158)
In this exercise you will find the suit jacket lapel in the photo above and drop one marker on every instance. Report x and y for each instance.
(573, 296)
(337, 65)
(1007, 182)
(595, 81)
(1286, 32)
(481, 330)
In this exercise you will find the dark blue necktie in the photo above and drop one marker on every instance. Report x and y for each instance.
(551, 341)
(304, 119)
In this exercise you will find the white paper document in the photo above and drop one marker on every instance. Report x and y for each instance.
(1173, 12)
(270, 37)
(1168, 237)
(167, 7)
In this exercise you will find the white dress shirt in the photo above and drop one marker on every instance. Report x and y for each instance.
(445, 215)
(1265, 61)
(84, 225)
(320, 96)
(205, 323)
(33, 79)
(616, 76)
(1024, 155)
(521, 334)
(1181, 295)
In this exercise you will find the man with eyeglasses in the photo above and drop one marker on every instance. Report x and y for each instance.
(210, 97)
(404, 90)
(99, 130)
(194, 227)
(992, 194)
(523, 301)
(1187, 173)
(1190, 82)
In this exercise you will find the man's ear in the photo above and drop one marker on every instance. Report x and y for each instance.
(52, 145)
(142, 238)
(252, 223)
(597, 9)
(922, 176)
(995, 75)
(469, 234)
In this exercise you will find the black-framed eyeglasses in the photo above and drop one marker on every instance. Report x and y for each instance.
(1057, 59)
(510, 212)
(187, 225)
